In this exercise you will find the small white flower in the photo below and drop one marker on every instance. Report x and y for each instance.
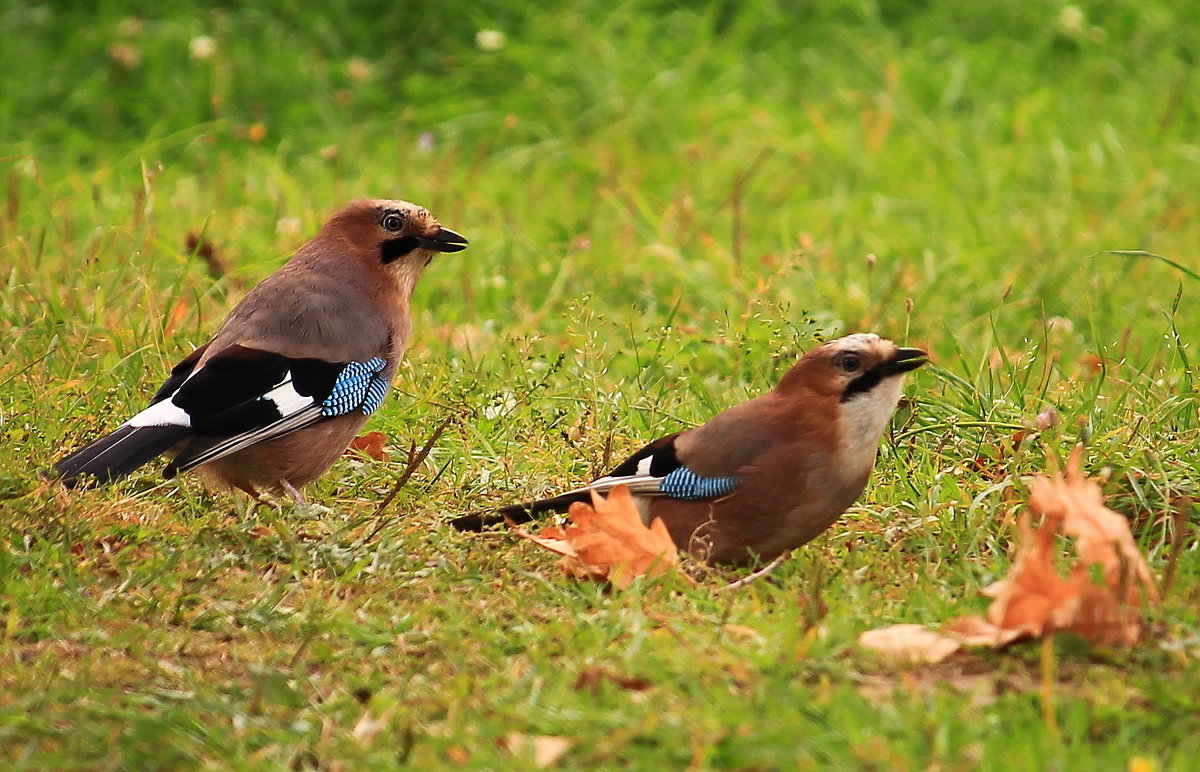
(202, 47)
(1047, 419)
(1072, 21)
(130, 27)
(489, 39)
(500, 405)
(1060, 324)
(288, 226)
(27, 167)
(359, 69)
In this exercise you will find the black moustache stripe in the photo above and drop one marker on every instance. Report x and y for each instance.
(393, 249)
(862, 384)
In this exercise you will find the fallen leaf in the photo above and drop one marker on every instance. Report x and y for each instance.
(1092, 364)
(547, 749)
(742, 632)
(551, 537)
(1004, 358)
(590, 678)
(369, 444)
(1035, 599)
(175, 318)
(368, 726)
(977, 631)
(196, 244)
(458, 754)
(608, 542)
(909, 644)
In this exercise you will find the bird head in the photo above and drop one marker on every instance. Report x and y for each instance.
(394, 233)
(863, 374)
(857, 366)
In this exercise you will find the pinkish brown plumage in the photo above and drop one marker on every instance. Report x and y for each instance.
(768, 475)
(295, 369)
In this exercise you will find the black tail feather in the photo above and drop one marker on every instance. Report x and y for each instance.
(117, 454)
(518, 513)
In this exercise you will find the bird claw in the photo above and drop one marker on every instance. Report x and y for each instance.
(302, 504)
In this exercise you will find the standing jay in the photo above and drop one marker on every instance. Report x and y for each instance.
(295, 369)
(768, 475)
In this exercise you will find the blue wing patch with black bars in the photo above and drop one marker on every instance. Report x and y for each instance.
(360, 385)
(683, 483)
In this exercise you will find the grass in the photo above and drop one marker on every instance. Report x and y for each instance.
(667, 202)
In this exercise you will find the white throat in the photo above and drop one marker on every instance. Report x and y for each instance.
(864, 417)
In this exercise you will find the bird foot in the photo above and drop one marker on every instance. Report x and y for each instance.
(256, 499)
(301, 503)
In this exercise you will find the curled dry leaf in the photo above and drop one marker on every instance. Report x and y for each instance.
(742, 632)
(368, 726)
(608, 542)
(196, 244)
(369, 444)
(1035, 599)
(590, 678)
(547, 749)
(909, 644)
(179, 312)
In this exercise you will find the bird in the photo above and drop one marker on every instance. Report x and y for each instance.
(292, 373)
(767, 475)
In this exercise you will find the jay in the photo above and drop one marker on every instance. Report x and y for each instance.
(770, 474)
(293, 372)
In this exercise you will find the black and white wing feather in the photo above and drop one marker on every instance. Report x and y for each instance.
(655, 470)
(239, 397)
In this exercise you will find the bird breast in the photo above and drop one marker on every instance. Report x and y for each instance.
(863, 420)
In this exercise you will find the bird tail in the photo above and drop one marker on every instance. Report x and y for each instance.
(117, 454)
(519, 513)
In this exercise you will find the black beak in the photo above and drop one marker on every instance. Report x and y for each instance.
(905, 359)
(445, 240)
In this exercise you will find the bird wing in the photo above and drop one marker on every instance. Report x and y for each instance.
(179, 373)
(303, 312)
(657, 470)
(241, 396)
(706, 462)
(131, 444)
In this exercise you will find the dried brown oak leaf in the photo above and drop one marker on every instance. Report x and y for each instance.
(1035, 599)
(607, 541)
(370, 444)
(909, 644)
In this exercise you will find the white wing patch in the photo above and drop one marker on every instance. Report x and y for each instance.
(287, 400)
(164, 413)
(639, 484)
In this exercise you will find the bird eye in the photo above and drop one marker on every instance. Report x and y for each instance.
(392, 221)
(848, 362)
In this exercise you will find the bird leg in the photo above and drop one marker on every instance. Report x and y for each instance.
(250, 491)
(759, 574)
(294, 494)
(301, 503)
(256, 499)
